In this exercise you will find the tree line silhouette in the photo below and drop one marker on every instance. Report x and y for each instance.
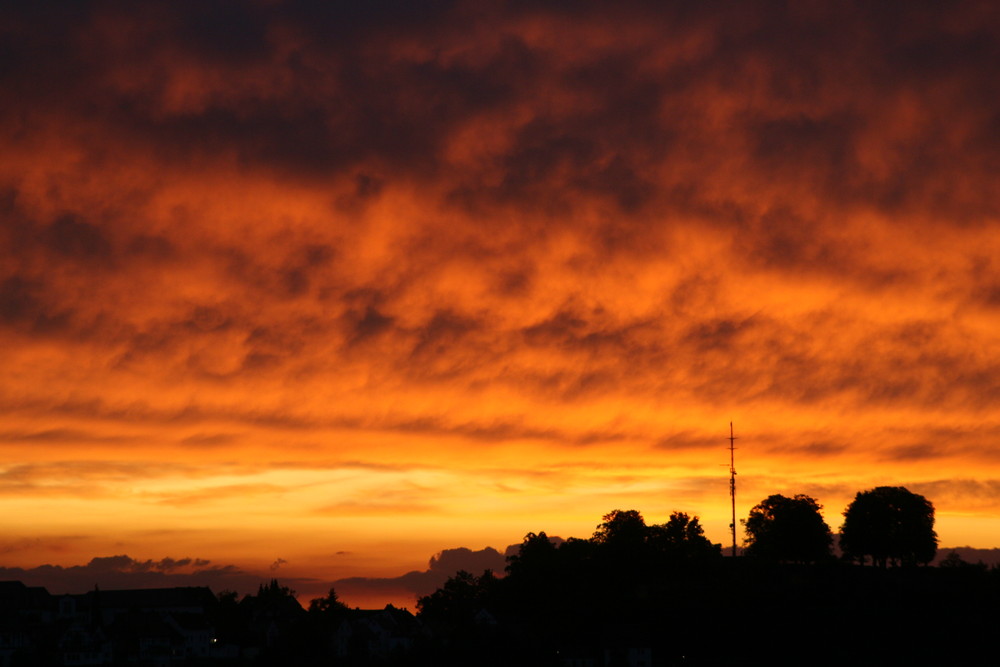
(889, 525)
(649, 595)
(635, 594)
(663, 594)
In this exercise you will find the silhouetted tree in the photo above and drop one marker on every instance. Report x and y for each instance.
(330, 604)
(621, 528)
(459, 598)
(682, 537)
(621, 551)
(536, 557)
(576, 559)
(274, 593)
(891, 525)
(788, 529)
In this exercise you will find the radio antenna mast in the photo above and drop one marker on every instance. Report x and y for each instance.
(732, 481)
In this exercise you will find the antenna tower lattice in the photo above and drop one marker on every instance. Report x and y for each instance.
(732, 482)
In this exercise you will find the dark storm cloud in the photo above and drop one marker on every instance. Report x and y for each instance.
(444, 331)
(329, 118)
(71, 237)
(56, 267)
(718, 334)
(21, 302)
(782, 239)
(396, 93)
(366, 324)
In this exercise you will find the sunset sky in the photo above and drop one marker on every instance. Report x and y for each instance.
(316, 290)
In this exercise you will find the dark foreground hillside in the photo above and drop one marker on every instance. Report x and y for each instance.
(733, 612)
(569, 612)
